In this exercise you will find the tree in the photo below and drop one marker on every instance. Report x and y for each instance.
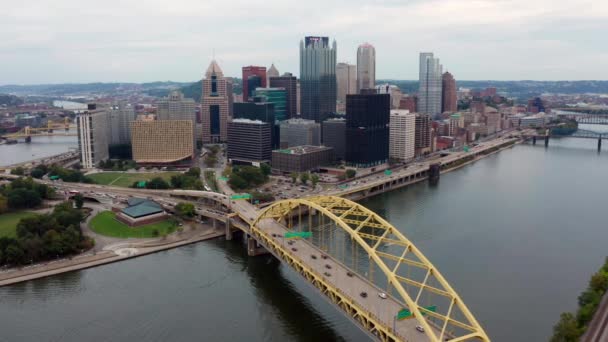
(19, 171)
(14, 255)
(294, 177)
(185, 209)
(3, 205)
(23, 198)
(194, 172)
(237, 182)
(304, 176)
(157, 183)
(78, 201)
(314, 179)
(37, 173)
(566, 330)
(265, 169)
(350, 173)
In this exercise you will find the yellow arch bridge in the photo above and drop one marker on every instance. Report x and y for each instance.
(367, 268)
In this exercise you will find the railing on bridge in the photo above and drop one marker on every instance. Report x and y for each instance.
(378, 254)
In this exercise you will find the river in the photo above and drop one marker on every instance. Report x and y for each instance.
(40, 147)
(517, 235)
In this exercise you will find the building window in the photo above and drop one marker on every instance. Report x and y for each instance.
(214, 112)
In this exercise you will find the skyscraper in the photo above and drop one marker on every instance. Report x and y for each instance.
(119, 116)
(176, 107)
(334, 135)
(317, 77)
(402, 135)
(449, 103)
(300, 132)
(277, 96)
(429, 94)
(249, 141)
(253, 77)
(290, 84)
(346, 76)
(92, 136)
(367, 131)
(366, 67)
(214, 105)
(423, 134)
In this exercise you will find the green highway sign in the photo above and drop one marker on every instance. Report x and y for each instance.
(54, 177)
(388, 172)
(225, 179)
(403, 314)
(141, 184)
(243, 196)
(466, 148)
(291, 235)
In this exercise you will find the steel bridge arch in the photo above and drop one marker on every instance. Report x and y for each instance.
(331, 206)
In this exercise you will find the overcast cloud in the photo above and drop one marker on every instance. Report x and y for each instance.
(56, 41)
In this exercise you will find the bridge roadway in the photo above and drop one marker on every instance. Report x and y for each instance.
(416, 171)
(383, 309)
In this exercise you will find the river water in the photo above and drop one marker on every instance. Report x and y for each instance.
(517, 235)
(40, 147)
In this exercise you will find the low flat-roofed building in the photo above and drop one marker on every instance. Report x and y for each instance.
(301, 158)
(162, 141)
(140, 211)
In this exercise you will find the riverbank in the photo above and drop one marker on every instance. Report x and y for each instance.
(110, 254)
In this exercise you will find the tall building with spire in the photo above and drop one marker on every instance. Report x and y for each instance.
(429, 94)
(215, 102)
(448, 89)
(366, 67)
(317, 77)
(272, 72)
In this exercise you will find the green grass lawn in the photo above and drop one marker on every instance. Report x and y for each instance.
(106, 224)
(125, 180)
(8, 222)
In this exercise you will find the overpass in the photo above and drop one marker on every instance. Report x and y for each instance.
(363, 265)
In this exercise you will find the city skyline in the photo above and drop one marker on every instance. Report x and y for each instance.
(507, 40)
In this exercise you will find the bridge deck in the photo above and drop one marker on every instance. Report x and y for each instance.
(384, 309)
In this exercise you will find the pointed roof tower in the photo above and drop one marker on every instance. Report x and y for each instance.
(272, 71)
(214, 69)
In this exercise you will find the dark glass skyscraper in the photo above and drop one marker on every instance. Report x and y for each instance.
(367, 131)
(317, 77)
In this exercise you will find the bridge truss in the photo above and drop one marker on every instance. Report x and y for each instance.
(376, 251)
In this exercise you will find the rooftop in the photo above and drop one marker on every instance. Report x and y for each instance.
(139, 207)
(302, 149)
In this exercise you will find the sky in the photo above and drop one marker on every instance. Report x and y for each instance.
(75, 41)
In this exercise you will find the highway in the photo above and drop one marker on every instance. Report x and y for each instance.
(352, 286)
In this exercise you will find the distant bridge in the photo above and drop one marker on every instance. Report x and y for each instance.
(52, 129)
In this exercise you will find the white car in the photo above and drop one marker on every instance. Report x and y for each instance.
(382, 295)
(419, 328)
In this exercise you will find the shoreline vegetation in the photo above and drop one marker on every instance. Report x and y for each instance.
(571, 326)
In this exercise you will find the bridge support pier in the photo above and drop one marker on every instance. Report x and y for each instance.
(434, 173)
(599, 144)
(546, 141)
(214, 223)
(228, 229)
(253, 249)
(534, 140)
